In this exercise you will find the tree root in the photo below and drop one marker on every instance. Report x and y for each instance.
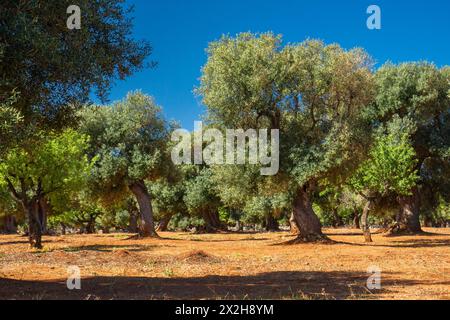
(311, 238)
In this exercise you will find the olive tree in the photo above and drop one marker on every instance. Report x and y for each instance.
(52, 68)
(129, 138)
(315, 94)
(200, 197)
(390, 169)
(419, 93)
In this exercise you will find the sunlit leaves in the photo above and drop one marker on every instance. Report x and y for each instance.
(392, 163)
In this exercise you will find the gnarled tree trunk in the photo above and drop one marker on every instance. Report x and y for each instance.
(309, 226)
(408, 218)
(31, 208)
(365, 221)
(145, 207)
(43, 212)
(271, 224)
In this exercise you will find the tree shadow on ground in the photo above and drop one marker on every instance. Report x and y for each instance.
(352, 233)
(420, 243)
(422, 233)
(227, 240)
(44, 240)
(5, 243)
(273, 285)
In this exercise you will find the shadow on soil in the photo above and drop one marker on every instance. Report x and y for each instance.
(273, 285)
(110, 248)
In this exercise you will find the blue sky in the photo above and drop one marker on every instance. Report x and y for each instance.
(180, 30)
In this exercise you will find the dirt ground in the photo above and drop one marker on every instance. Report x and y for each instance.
(227, 266)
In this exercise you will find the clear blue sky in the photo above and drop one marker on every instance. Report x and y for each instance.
(180, 30)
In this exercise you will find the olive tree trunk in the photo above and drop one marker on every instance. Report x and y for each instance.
(408, 218)
(309, 226)
(337, 220)
(43, 212)
(90, 225)
(356, 220)
(34, 224)
(365, 221)
(271, 224)
(10, 224)
(134, 215)
(143, 198)
(133, 223)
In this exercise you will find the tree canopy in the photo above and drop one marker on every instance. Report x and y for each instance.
(129, 138)
(317, 95)
(56, 163)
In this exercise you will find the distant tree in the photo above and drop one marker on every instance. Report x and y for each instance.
(315, 94)
(262, 200)
(353, 203)
(54, 69)
(55, 163)
(9, 211)
(418, 92)
(200, 197)
(329, 200)
(129, 138)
